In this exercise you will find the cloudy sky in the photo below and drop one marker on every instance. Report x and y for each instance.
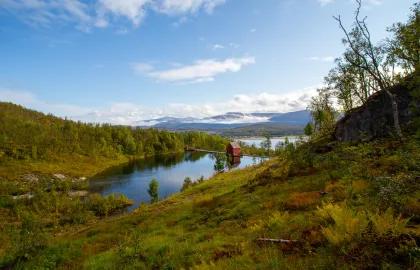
(122, 61)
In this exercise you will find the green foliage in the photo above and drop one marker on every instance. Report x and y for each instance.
(187, 184)
(323, 113)
(353, 227)
(30, 135)
(347, 225)
(153, 191)
(220, 162)
(299, 153)
(308, 130)
(266, 144)
(405, 44)
(26, 241)
(386, 226)
(393, 191)
(106, 205)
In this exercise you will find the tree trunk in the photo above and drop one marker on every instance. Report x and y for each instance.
(395, 114)
(277, 240)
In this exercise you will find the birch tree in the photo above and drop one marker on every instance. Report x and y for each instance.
(363, 55)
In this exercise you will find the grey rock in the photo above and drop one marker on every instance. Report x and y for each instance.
(60, 176)
(24, 196)
(375, 119)
(30, 177)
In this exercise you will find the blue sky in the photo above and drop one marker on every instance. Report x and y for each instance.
(122, 61)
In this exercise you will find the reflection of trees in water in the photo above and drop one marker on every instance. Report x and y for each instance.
(194, 156)
(153, 162)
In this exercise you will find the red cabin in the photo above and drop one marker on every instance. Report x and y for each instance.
(233, 149)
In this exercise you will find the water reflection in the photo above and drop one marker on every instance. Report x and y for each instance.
(132, 179)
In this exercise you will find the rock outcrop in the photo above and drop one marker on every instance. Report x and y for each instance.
(375, 119)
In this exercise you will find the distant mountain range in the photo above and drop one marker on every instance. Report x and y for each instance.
(229, 120)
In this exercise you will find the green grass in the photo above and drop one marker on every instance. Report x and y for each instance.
(215, 224)
(75, 166)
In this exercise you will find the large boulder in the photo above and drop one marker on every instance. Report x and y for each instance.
(375, 118)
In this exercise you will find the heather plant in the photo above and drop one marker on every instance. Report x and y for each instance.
(392, 191)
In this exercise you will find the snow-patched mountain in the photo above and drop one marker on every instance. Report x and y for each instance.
(229, 120)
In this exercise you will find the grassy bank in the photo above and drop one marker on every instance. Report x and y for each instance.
(74, 166)
(354, 207)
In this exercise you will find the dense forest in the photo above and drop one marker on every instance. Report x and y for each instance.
(31, 135)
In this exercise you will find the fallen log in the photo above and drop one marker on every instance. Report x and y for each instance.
(276, 240)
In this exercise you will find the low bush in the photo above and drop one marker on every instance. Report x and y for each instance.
(301, 201)
(104, 206)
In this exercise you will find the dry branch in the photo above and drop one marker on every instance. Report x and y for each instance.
(276, 240)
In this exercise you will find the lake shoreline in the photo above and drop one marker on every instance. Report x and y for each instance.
(263, 138)
(132, 178)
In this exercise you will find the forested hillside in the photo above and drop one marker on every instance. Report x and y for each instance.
(30, 135)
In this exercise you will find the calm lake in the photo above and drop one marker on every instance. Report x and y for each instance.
(274, 141)
(132, 179)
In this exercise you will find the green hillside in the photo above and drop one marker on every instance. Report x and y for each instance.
(354, 207)
(31, 141)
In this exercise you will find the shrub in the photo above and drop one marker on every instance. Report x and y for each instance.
(392, 191)
(153, 191)
(104, 206)
(386, 226)
(187, 184)
(362, 226)
(339, 192)
(201, 179)
(279, 221)
(412, 210)
(347, 225)
(26, 241)
(301, 201)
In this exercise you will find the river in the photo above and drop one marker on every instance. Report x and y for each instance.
(132, 179)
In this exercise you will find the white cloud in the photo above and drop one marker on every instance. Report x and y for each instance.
(126, 113)
(101, 23)
(373, 2)
(202, 71)
(253, 30)
(122, 31)
(29, 100)
(101, 13)
(142, 68)
(325, 2)
(134, 10)
(218, 46)
(84, 28)
(47, 13)
(323, 59)
(173, 7)
(181, 21)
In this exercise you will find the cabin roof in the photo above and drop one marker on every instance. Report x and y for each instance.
(235, 145)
